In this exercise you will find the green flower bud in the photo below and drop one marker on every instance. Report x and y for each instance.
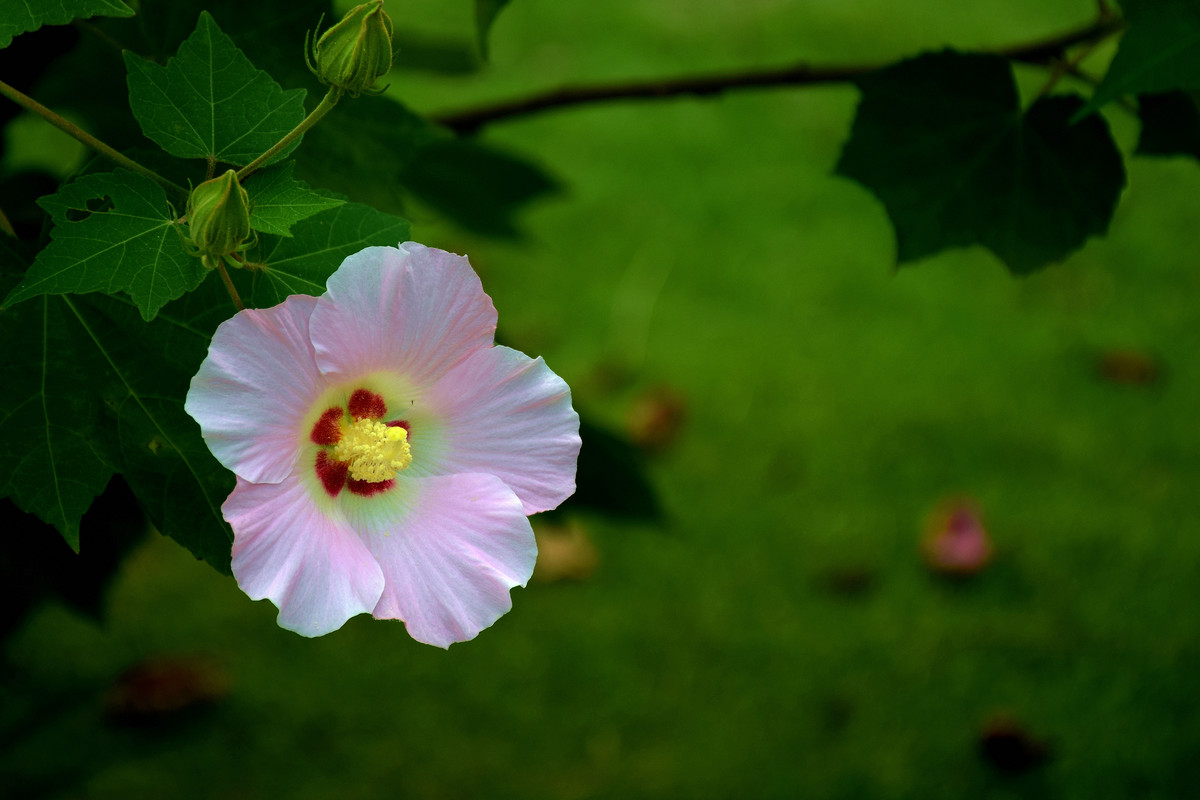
(356, 52)
(218, 213)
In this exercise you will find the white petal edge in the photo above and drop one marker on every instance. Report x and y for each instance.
(412, 310)
(450, 548)
(506, 414)
(255, 387)
(313, 567)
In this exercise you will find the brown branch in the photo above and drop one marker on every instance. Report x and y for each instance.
(470, 120)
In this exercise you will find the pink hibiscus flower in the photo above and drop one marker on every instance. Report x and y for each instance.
(387, 453)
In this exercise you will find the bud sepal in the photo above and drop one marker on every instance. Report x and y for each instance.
(355, 53)
(218, 214)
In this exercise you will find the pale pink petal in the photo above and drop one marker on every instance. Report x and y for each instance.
(313, 567)
(506, 414)
(451, 548)
(410, 310)
(255, 387)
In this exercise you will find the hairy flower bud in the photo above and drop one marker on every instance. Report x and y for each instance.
(218, 214)
(355, 52)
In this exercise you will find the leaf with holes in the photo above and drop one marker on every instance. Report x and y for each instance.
(23, 17)
(113, 232)
(210, 102)
(278, 201)
(1158, 53)
(941, 140)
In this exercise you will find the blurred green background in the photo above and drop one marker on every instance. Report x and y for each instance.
(778, 635)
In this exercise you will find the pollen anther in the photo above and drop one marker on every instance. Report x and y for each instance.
(374, 451)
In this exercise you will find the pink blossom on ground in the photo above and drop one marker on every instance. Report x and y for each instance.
(387, 452)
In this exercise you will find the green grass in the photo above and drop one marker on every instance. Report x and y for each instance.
(832, 401)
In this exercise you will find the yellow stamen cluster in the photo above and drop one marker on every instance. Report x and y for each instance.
(374, 451)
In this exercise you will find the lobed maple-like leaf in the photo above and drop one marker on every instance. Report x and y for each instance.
(210, 102)
(23, 16)
(301, 263)
(113, 232)
(278, 201)
(943, 143)
(159, 448)
(56, 443)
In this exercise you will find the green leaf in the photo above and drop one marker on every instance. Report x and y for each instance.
(478, 187)
(162, 455)
(113, 232)
(942, 142)
(209, 101)
(374, 150)
(302, 263)
(56, 444)
(277, 201)
(485, 15)
(611, 478)
(273, 32)
(22, 16)
(1170, 125)
(362, 149)
(95, 390)
(1159, 52)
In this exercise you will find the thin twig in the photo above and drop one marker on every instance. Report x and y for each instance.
(80, 135)
(470, 120)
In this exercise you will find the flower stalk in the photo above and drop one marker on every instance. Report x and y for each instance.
(324, 107)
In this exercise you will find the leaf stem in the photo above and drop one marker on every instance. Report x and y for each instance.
(229, 287)
(326, 105)
(80, 135)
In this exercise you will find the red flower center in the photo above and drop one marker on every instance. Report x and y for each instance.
(360, 451)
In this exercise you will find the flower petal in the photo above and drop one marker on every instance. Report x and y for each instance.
(451, 548)
(506, 414)
(313, 567)
(412, 310)
(255, 387)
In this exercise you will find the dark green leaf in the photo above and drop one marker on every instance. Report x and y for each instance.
(1159, 52)
(944, 145)
(611, 478)
(480, 188)
(303, 262)
(209, 101)
(485, 16)
(22, 16)
(36, 564)
(361, 150)
(429, 53)
(163, 457)
(56, 444)
(272, 32)
(1170, 125)
(113, 232)
(277, 201)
